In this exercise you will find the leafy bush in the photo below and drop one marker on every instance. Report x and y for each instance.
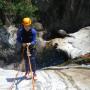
(15, 10)
(24, 9)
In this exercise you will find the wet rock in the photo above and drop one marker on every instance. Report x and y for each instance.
(38, 26)
(63, 34)
(7, 43)
(59, 79)
(79, 45)
(12, 34)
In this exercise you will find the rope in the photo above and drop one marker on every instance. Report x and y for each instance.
(30, 66)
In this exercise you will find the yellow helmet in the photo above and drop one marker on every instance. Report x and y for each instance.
(26, 21)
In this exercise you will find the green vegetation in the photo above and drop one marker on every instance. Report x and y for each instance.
(82, 60)
(12, 11)
(76, 61)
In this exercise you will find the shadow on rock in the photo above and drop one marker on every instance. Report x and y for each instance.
(51, 57)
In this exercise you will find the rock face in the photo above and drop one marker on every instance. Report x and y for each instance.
(69, 15)
(7, 43)
(73, 46)
(59, 79)
(78, 44)
(12, 30)
(38, 26)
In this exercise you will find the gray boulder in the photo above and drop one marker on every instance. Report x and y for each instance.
(38, 26)
(62, 32)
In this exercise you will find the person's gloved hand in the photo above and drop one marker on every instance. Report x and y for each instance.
(24, 44)
(28, 44)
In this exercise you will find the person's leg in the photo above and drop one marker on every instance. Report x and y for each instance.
(33, 63)
(18, 51)
(26, 62)
(26, 66)
(33, 60)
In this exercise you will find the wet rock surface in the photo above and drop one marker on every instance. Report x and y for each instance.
(7, 43)
(61, 78)
(78, 44)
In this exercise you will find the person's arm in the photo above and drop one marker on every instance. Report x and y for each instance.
(34, 37)
(19, 38)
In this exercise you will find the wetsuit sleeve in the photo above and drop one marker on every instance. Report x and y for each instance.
(19, 38)
(34, 37)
